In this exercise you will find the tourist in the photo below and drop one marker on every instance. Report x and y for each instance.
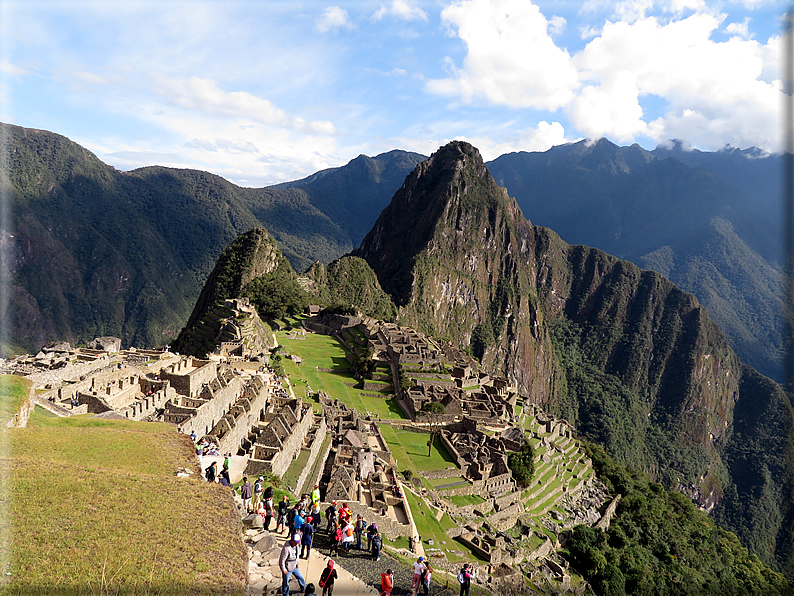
(464, 578)
(361, 524)
(307, 530)
(426, 574)
(227, 460)
(327, 578)
(330, 516)
(418, 568)
(291, 518)
(268, 493)
(377, 542)
(224, 477)
(193, 435)
(246, 490)
(336, 538)
(315, 517)
(386, 583)
(258, 491)
(345, 513)
(373, 528)
(211, 472)
(316, 494)
(348, 536)
(267, 505)
(281, 521)
(288, 564)
(298, 522)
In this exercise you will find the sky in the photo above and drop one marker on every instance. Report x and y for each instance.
(262, 91)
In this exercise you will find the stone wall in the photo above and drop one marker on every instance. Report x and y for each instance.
(212, 410)
(390, 528)
(606, 519)
(506, 500)
(148, 404)
(436, 474)
(483, 508)
(314, 450)
(248, 410)
(188, 376)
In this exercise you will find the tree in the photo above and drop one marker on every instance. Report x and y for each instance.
(433, 412)
(522, 464)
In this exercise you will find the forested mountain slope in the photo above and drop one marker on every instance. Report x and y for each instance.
(94, 251)
(707, 221)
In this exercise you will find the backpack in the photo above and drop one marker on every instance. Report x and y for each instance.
(462, 577)
(349, 530)
(338, 535)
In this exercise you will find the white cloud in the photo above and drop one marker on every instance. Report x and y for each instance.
(12, 69)
(204, 95)
(540, 138)
(586, 32)
(557, 25)
(739, 29)
(511, 58)
(610, 109)
(400, 9)
(712, 88)
(632, 10)
(334, 17)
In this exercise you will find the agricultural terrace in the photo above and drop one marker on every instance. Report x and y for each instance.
(13, 393)
(324, 367)
(96, 507)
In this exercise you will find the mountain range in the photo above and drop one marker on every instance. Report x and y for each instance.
(124, 253)
(632, 361)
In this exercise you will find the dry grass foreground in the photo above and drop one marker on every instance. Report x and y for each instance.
(96, 507)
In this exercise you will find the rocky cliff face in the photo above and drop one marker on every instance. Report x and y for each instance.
(634, 361)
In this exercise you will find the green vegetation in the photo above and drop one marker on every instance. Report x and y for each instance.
(13, 393)
(277, 294)
(430, 528)
(522, 464)
(463, 500)
(322, 353)
(659, 542)
(96, 508)
(433, 412)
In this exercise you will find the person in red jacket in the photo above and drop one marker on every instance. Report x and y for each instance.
(386, 583)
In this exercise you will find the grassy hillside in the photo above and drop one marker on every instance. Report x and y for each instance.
(96, 508)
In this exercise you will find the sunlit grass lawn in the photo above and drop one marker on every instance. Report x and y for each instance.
(325, 352)
(13, 393)
(96, 508)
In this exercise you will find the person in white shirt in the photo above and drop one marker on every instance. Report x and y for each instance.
(418, 568)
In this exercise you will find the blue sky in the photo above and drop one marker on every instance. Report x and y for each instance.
(262, 92)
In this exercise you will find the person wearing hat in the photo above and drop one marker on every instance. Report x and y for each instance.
(418, 568)
(386, 582)
(316, 494)
(327, 578)
(288, 564)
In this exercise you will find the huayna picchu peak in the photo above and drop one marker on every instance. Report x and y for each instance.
(632, 361)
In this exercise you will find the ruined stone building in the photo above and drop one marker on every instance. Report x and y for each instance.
(276, 439)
